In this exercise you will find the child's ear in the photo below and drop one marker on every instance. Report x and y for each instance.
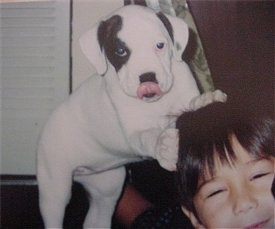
(195, 222)
(273, 183)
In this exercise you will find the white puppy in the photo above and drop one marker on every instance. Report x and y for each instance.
(117, 116)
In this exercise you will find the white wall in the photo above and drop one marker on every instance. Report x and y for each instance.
(34, 70)
(34, 53)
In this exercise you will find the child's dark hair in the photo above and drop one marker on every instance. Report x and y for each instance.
(208, 131)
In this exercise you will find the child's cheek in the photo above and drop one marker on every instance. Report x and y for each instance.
(209, 210)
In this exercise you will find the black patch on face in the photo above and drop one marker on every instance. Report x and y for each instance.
(115, 49)
(167, 24)
(136, 2)
(190, 50)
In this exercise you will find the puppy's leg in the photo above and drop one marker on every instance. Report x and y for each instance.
(207, 98)
(104, 190)
(158, 143)
(167, 149)
(54, 195)
(167, 145)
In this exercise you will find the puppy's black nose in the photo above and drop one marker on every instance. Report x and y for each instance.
(148, 77)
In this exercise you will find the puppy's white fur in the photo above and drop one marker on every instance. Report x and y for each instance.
(104, 125)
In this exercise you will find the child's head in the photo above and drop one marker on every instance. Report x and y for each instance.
(226, 168)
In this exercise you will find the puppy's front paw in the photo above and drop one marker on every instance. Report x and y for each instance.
(207, 98)
(167, 149)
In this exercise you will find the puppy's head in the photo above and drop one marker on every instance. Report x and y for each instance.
(138, 44)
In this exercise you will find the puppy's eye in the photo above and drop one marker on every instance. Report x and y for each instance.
(160, 45)
(121, 52)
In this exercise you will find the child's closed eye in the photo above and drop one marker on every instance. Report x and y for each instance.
(260, 175)
(215, 193)
(261, 170)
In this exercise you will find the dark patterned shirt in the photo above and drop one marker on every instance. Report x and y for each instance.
(162, 218)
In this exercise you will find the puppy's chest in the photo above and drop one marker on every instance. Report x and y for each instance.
(141, 118)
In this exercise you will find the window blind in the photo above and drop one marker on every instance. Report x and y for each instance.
(35, 68)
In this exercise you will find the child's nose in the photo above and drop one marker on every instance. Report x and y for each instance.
(244, 201)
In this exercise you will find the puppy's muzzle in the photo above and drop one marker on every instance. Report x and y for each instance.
(149, 86)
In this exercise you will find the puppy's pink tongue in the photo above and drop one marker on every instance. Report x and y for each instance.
(148, 89)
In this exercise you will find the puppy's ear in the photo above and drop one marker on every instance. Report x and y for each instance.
(178, 31)
(89, 44)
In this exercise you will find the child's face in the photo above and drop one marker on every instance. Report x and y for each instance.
(238, 196)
